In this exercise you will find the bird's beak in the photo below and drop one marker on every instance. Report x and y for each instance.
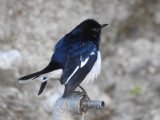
(103, 25)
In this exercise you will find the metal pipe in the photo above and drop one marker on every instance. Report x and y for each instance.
(92, 104)
(77, 103)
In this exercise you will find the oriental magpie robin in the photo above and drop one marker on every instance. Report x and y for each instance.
(77, 54)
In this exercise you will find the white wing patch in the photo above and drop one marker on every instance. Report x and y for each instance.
(83, 62)
(72, 74)
(86, 60)
(92, 53)
(95, 71)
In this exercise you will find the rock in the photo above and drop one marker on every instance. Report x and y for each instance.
(9, 59)
(157, 117)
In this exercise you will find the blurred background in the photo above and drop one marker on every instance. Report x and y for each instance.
(130, 47)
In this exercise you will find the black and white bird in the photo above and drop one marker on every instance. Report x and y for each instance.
(77, 54)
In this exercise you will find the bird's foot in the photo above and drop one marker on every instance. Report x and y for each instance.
(83, 90)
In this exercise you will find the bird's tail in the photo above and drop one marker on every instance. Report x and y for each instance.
(43, 85)
(51, 67)
(33, 75)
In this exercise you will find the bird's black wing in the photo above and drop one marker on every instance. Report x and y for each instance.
(82, 57)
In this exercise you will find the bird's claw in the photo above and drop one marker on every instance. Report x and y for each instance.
(83, 90)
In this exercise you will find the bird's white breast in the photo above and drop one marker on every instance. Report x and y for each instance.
(95, 71)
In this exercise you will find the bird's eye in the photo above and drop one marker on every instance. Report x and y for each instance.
(94, 29)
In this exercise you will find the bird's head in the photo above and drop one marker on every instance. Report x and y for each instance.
(92, 26)
(91, 29)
